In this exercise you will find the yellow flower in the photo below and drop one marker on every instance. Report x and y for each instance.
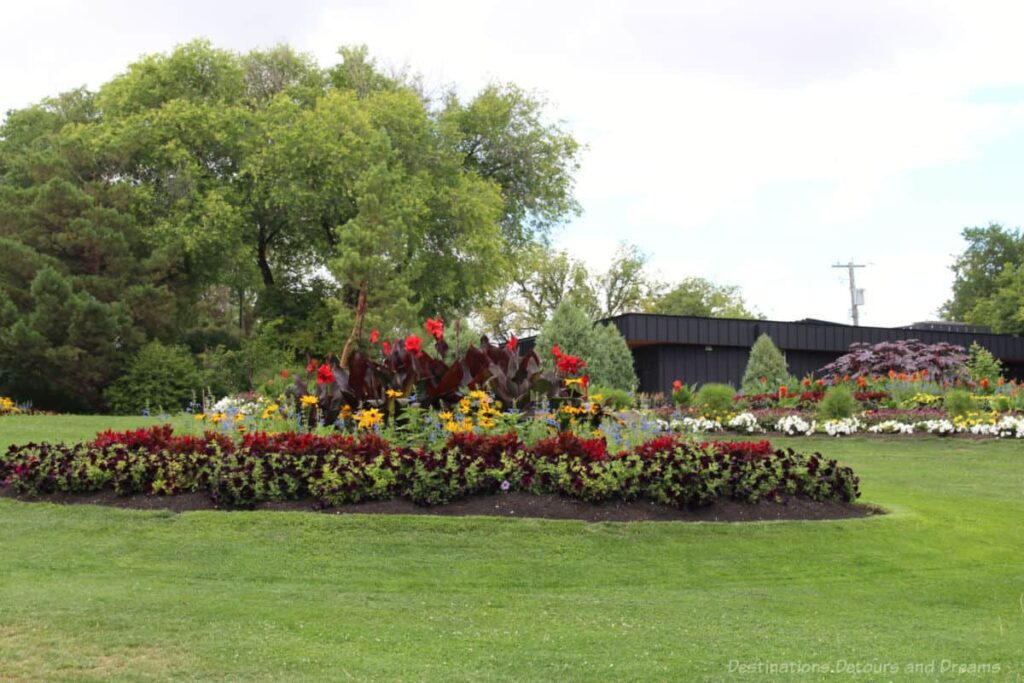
(596, 398)
(271, 411)
(465, 405)
(346, 411)
(478, 395)
(452, 427)
(217, 417)
(485, 422)
(573, 381)
(199, 417)
(239, 417)
(598, 434)
(308, 400)
(391, 393)
(365, 419)
(445, 416)
(241, 429)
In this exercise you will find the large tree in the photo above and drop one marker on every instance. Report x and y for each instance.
(988, 277)
(207, 188)
(700, 297)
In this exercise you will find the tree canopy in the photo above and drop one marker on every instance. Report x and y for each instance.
(988, 285)
(204, 193)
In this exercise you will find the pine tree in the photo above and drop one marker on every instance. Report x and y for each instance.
(765, 361)
(604, 350)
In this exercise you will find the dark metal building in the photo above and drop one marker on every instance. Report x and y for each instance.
(700, 350)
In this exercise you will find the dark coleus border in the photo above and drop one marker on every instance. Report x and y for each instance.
(338, 470)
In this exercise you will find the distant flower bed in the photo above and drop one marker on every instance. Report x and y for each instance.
(339, 469)
(804, 423)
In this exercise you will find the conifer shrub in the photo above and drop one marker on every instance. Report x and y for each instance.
(766, 367)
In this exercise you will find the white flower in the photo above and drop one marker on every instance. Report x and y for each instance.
(845, 426)
(891, 427)
(746, 422)
(793, 425)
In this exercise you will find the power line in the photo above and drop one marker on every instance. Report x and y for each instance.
(856, 295)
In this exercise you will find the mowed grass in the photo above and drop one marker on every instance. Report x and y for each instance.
(89, 593)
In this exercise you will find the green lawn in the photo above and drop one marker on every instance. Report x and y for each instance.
(101, 594)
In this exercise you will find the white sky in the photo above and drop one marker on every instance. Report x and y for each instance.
(752, 142)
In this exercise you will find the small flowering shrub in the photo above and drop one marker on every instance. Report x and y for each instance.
(338, 469)
(941, 362)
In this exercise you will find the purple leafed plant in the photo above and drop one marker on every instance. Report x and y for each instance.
(943, 362)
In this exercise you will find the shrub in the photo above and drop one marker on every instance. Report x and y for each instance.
(158, 377)
(602, 347)
(940, 362)
(838, 403)
(982, 365)
(715, 398)
(767, 362)
(615, 398)
(958, 403)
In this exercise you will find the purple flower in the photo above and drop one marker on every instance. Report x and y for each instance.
(505, 485)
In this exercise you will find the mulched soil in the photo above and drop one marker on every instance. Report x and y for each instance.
(509, 505)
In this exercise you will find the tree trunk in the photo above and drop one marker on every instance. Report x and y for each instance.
(357, 326)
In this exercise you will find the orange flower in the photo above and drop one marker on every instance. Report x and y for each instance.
(806, 382)
(677, 385)
(861, 382)
(783, 392)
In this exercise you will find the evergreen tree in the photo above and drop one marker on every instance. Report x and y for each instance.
(604, 350)
(765, 361)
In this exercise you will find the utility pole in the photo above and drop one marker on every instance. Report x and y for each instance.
(856, 295)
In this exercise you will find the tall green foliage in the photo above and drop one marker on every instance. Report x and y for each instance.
(159, 377)
(205, 189)
(982, 364)
(608, 358)
(766, 362)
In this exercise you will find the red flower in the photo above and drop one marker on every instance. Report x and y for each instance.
(324, 375)
(413, 344)
(374, 336)
(806, 382)
(387, 348)
(312, 366)
(435, 327)
(556, 352)
(585, 381)
(783, 392)
(285, 374)
(513, 343)
(569, 365)
(677, 385)
(984, 383)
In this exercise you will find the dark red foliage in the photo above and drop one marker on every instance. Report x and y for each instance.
(569, 444)
(740, 448)
(161, 437)
(941, 362)
(489, 449)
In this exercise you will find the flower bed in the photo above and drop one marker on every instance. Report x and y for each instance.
(804, 423)
(341, 469)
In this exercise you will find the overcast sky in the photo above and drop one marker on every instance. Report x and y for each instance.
(753, 143)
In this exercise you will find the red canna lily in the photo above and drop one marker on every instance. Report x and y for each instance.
(374, 336)
(435, 327)
(513, 343)
(387, 348)
(324, 375)
(677, 385)
(312, 366)
(413, 344)
(285, 374)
